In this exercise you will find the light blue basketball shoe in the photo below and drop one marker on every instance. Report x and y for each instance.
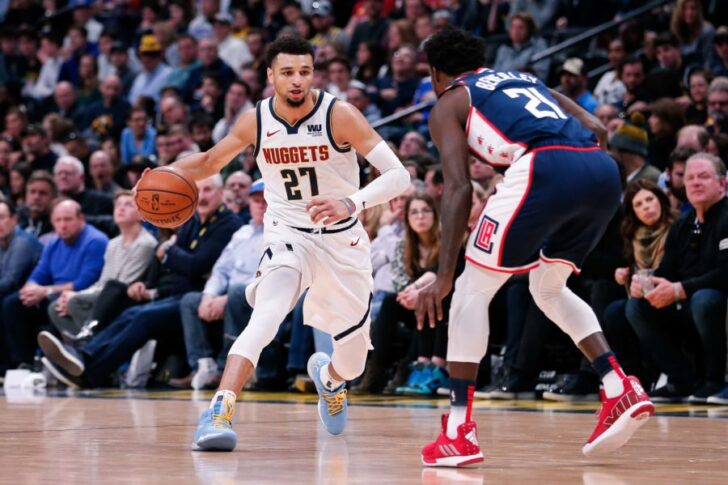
(215, 430)
(332, 405)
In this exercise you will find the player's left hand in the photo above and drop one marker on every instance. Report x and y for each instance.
(429, 302)
(327, 211)
(663, 295)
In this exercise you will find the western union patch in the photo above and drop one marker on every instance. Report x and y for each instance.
(723, 244)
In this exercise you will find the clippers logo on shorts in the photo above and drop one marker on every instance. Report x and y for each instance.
(314, 130)
(486, 231)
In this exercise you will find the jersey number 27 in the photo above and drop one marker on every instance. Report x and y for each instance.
(538, 104)
(293, 192)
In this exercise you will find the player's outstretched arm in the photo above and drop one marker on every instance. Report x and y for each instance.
(587, 119)
(199, 166)
(351, 128)
(447, 128)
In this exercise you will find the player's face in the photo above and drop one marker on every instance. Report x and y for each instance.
(292, 76)
(420, 216)
(647, 207)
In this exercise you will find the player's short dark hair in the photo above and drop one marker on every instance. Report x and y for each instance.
(455, 51)
(288, 44)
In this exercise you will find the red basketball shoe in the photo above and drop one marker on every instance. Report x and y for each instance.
(463, 450)
(619, 418)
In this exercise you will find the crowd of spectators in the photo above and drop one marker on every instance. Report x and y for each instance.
(94, 92)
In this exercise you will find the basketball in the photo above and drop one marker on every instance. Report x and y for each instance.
(166, 198)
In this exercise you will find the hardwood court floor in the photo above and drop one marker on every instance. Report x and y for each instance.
(125, 437)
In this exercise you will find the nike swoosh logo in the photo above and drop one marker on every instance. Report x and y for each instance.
(268, 133)
(354, 243)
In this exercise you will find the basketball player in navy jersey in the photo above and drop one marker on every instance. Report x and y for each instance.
(552, 206)
(305, 147)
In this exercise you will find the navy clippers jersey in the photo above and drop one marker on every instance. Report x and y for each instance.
(512, 112)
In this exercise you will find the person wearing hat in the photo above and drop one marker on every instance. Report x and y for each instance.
(231, 49)
(573, 83)
(154, 73)
(628, 146)
(37, 149)
(719, 59)
(222, 303)
(322, 18)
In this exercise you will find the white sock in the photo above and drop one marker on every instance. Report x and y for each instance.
(612, 384)
(456, 418)
(226, 400)
(329, 382)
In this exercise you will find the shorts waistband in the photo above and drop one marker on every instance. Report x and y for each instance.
(347, 224)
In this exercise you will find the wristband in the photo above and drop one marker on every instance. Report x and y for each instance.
(676, 289)
(350, 207)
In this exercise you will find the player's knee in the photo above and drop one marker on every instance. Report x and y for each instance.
(547, 281)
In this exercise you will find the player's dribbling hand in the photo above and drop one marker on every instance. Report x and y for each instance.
(429, 302)
(327, 211)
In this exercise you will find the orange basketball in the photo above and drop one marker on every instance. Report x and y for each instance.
(166, 198)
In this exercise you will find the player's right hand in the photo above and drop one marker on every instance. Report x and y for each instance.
(429, 302)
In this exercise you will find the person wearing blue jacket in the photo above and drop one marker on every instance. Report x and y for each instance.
(72, 260)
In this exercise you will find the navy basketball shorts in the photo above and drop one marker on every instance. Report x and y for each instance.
(552, 205)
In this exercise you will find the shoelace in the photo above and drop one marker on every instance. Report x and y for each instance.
(335, 402)
(221, 421)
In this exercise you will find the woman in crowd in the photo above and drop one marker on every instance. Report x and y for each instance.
(647, 220)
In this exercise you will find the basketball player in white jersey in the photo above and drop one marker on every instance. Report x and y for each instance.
(305, 146)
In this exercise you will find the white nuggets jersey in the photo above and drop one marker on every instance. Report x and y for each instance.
(301, 161)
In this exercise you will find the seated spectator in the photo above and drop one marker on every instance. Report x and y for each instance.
(573, 83)
(396, 90)
(339, 70)
(153, 77)
(610, 89)
(517, 54)
(675, 179)
(647, 220)
(37, 149)
(666, 119)
(71, 182)
(358, 96)
(182, 263)
(50, 56)
(107, 116)
(414, 263)
(693, 136)
(239, 184)
(201, 126)
(76, 146)
(223, 299)
(138, 136)
(628, 146)
(101, 171)
(697, 111)
(233, 51)
(19, 253)
(435, 183)
(210, 63)
(718, 63)
(666, 80)
(72, 260)
(88, 92)
(632, 74)
(172, 110)
(412, 144)
(483, 174)
(692, 31)
(187, 49)
(718, 106)
(64, 102)
(35, 215)
(126, 259)
(687, 294)
(168, 146)
(123, 66)
(237, 101)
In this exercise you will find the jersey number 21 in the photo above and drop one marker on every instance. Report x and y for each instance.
(538, 104)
